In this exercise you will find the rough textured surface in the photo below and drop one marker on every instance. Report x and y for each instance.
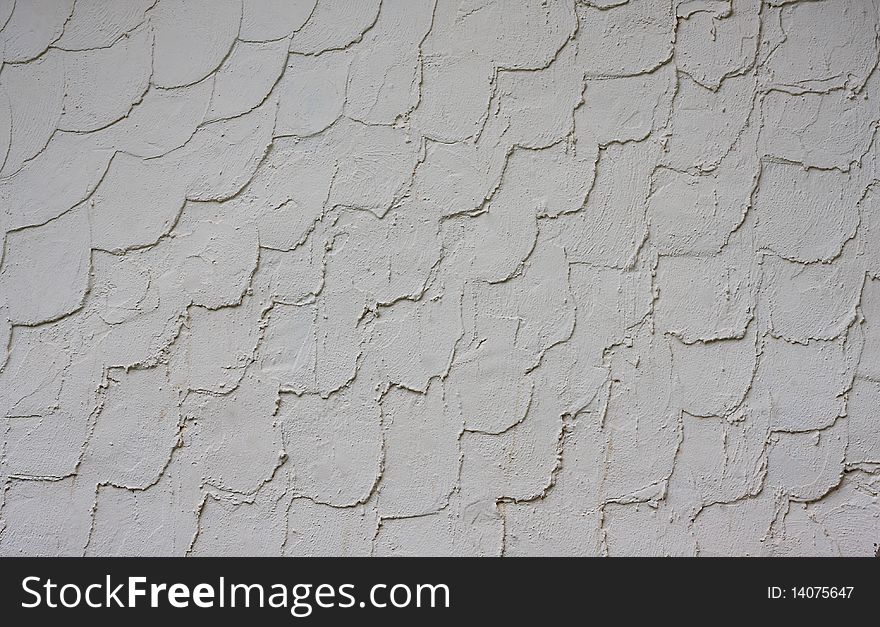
(399, 277)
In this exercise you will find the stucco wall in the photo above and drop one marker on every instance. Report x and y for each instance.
(479, 278)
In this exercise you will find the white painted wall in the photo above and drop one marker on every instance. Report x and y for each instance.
(477, 278)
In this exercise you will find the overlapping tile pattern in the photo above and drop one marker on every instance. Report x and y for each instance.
(478, 277)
